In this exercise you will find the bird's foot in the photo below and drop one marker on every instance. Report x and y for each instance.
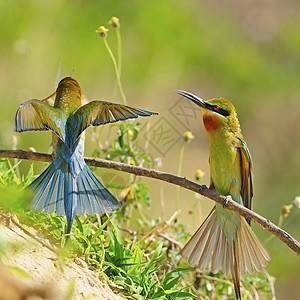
(226, 200)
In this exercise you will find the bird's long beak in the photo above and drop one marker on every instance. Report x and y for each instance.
(200, 102)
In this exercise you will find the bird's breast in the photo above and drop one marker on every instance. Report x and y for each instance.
(224, 167)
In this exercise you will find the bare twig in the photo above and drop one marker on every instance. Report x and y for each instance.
(226, 202)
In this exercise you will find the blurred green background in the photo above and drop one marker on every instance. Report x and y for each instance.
(246, 51)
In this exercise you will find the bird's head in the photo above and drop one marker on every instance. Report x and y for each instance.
(68, 93)
(69, 83)
(217, 113)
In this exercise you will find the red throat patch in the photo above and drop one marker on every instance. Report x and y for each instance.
(211, 122)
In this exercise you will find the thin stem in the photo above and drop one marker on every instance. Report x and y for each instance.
(162, 202)
(195, 212)
(280, 221)
(271, 283)
(179, 173)
(119, 42)
(139, 209)
(129, 216)
(116, 71)
(180, 159)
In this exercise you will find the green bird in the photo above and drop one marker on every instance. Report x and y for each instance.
(68, 186)
(225, 238)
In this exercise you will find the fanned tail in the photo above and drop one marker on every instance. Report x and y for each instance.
(57, 190)
(48, 191)
(209, 244)
(70, 197)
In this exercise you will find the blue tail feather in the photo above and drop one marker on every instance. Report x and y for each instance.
(84, 200)
(105, 198)
(94, 197)
(41, 187)
(57, 190)
(36, 184)
(70, 196)
(87, 206)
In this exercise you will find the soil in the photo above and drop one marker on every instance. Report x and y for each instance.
(30, 270)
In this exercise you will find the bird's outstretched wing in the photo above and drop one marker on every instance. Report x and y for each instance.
(98, 113)
(35, 115)
(247, 175)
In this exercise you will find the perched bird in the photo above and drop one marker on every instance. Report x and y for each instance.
(225, 238)
(68, 186)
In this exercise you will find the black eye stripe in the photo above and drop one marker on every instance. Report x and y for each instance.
(218, 109)
(223, 112)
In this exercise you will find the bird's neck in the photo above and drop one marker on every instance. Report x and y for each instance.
(68, 100)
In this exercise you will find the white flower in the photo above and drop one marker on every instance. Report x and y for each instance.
(296, 202)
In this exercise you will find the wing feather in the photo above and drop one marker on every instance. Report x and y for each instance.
(247, 175)
(36, 115)
(97, 113)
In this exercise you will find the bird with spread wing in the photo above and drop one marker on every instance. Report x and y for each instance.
(68, 186)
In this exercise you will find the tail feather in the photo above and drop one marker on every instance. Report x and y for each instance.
(94, 197)
(51, 190)
(105, 201)
(208, 250)
(243, 254)
(194, 248)
(57, 190)
(217, 255)
(39, 183)
(247, 266)
(227, 259)
(59, 205)
(235, 271)
(252, 253)
(255, 254)
(86, 203)
(70, 198)
(44, 188)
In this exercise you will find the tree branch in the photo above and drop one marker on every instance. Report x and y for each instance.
(226, 202)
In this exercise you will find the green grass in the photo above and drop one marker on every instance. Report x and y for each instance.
(144, 262)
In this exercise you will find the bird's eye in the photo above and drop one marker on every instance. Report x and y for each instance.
(216, 107)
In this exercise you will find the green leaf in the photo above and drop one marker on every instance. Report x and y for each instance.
(19, 272)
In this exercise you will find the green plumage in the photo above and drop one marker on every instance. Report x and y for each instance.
(225, 168)
(225, 238)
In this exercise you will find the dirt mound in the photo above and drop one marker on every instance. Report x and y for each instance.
(50, 277)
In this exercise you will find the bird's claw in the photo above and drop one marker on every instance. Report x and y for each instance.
(226, 200)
